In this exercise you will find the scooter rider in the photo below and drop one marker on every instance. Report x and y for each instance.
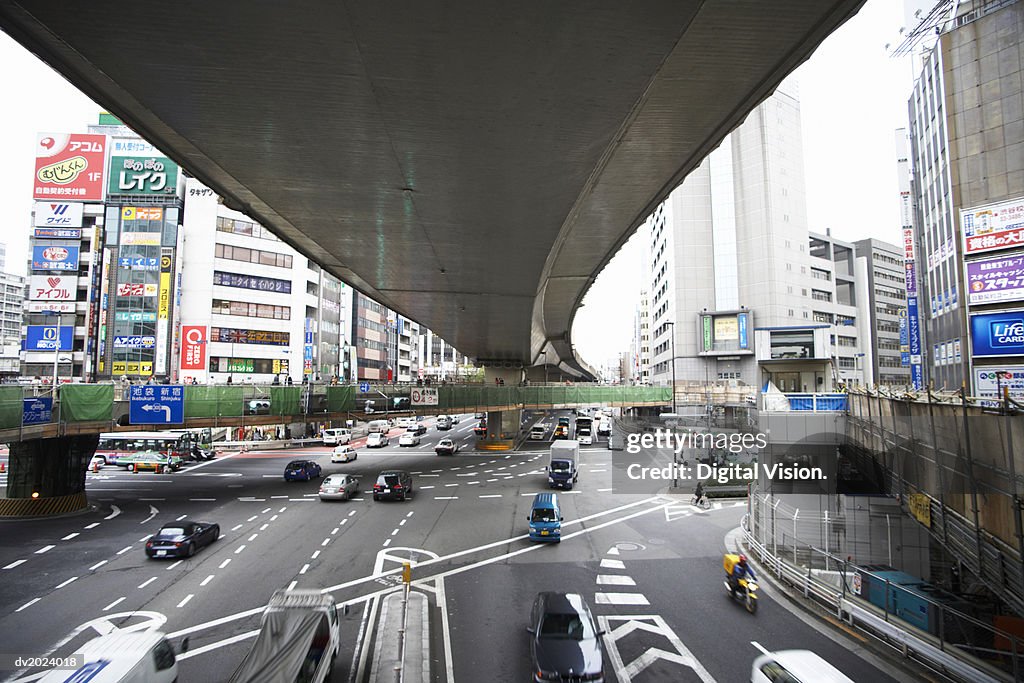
(741, 570)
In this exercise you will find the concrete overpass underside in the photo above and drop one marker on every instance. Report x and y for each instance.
(473, 165)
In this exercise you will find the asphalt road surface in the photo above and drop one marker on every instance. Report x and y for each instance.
(649, 566)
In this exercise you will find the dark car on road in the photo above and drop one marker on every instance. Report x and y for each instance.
(565, 644)
(301, 470)
(394, 484)
(181, 539)
(419, 429)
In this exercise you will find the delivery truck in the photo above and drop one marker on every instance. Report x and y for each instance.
(562, 467)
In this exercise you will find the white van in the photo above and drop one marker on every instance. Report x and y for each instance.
(137, 657)
(405, 422)
(337, 437)
(380, 426)
(538, 432)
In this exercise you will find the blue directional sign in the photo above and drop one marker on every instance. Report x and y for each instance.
(156, 404)
(37, 410)
(364, 387)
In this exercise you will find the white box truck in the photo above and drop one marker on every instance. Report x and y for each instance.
(562, 467)
(298, 640)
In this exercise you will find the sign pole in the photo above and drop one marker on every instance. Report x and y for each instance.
(56, 359)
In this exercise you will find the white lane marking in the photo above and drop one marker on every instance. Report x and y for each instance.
(302, 500)
(250, 499)
(402, 523)
(425, 487)
(449, 485)
(14, 564)
(420, 472)
(114, 604)
(65, 583)
(253, 537)
(91, 526)
(174, 565)
(603, 490)
(352, 512)
(612, 564)
(272, 497)
(151, 500)
(395, 532)
(387, 543)
(430, 475)
(491, 495)
(596, 471)
(614, 550)
(202, 500)
(292, 585)
(614, 580)
(269, 476)
(315, 555)
(251, 519)
(122, 551)
(94, 567)
(30, 603)
(305, 568)
(185, 601)
(470, 483)
(236, 527)
(147, 582)
(274, 518)
(144, 538)
(283, 509)
(207, 580)
(115, 512)
(345, 521)
(334, 531)
(180, 518)
(326, 541)
(264, 527)
(70, 536)
(760, 647)
(44, 549)
(490, 480)
(466, 474)
(265, 511)
(446, 497)
(224, 563)
(240, 549)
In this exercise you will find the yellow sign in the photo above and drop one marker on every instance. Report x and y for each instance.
(920, 508)
(727, 329)
(133, 368)
(165, 287)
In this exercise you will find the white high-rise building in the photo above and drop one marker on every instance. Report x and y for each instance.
(730, 287)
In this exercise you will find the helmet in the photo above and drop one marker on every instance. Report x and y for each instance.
(743, 559)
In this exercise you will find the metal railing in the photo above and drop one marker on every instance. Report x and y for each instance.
(928, 630)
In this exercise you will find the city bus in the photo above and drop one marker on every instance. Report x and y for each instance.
(124, 448)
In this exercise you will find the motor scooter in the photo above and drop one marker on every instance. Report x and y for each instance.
(745, 593)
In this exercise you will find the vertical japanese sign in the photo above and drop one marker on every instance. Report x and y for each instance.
(193, 352)
(163, 311)
(707, 342)
(69, 167)
(913, 314)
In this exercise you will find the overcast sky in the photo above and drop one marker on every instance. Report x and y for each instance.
(853, 96)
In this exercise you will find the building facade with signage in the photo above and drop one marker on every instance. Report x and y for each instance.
(12, 312)
(730, 281)
(882, 313)
(968, 173)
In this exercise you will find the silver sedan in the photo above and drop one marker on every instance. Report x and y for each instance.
(339, 487)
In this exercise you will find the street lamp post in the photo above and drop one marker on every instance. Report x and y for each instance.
(672, 349)
(545, 354)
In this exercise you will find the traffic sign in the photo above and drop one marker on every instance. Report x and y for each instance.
(364, 387)
(37, 410)
(156, 404)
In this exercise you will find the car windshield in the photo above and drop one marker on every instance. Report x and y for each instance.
(560, 466)
(568, 626)
(445, 442)
(171, 532)
(296, 465)
(543, 515)
(333, 481)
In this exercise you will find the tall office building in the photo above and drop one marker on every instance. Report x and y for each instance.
(12, 305)
(370, 337)
(834, 297)
(730, 270)
(882, 313)
(967, 138)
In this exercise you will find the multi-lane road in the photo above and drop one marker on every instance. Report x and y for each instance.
(649, 565)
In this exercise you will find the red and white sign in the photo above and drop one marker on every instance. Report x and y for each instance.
(992, 227)
(70, 167)
(193, 347)
(54, 306)
(136, 289)
(52, 287)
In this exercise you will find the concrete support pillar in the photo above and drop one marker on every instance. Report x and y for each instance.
(50, 467)
(512, 377)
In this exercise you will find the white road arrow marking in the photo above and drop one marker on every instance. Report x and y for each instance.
(115, 513)
(152, 513)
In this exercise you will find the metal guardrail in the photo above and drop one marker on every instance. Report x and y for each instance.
(932, 651)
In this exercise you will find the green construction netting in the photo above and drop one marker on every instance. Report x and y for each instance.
(219, 401)
(341, 398)
(10, 407)
(285, 400)
(86, 402)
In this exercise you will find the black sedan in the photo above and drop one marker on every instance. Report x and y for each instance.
(182, 539)
(565, 643)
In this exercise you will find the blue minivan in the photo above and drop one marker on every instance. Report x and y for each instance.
(545, 518)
